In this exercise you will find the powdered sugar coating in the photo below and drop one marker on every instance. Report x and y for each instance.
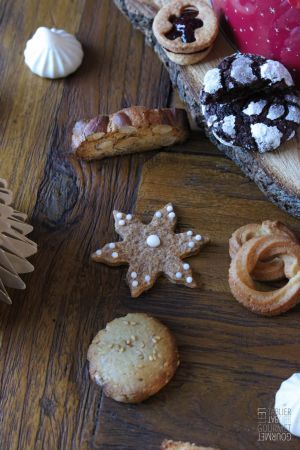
(212, 81)
(291, 135)
(275, 71)
(241, 70)
(228, 125)
(293, 98)
(294, 114)
(275, 111)
(255, 108)
(267, 138)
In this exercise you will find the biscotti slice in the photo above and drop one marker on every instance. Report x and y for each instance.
(131, 130)
(172, 445)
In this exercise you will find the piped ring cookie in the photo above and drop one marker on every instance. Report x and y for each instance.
(269, 269)
(245, 289)
(186, 30)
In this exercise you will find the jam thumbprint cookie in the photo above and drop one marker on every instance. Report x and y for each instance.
(186, 30)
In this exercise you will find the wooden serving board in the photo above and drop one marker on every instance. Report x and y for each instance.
(277, 173)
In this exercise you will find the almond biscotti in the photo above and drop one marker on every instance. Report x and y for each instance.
(131, 130)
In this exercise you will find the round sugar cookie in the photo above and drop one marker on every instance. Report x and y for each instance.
(133, 357)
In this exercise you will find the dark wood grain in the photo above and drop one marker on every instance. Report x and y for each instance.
(46, 397)
(232, 360)
(276, 173)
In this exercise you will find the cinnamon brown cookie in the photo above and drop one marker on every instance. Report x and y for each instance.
(151, 250)
(133, 358)
(186, 30)
(134, 129)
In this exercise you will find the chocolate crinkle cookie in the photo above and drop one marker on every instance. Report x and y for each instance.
(250, 102)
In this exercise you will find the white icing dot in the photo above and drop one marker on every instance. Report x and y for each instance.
(98, 252)
(178, 275)
(115, 254)
(275, 71)
(241, 70)
(189, 280)
(198, 237)
(133, 275)
(128, 217)
(121, 222)
(119, 215)
(186, 266)
(189, 233)
(212, 81)
(112, 245)
(147, 278)
(135, 283)
(294, 114)
(171, 215)
(228, 125)
(153, 241)
(169, 208)
(275, 111)
(191, 244)
(266, 138)
(255, 108)
(158, 214)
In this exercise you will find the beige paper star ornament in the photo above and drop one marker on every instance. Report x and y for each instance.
(15, 247)
(151, 250)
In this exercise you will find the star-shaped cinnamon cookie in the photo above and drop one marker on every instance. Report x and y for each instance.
(151, 250)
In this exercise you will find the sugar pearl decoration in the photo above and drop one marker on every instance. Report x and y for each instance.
(119, 215)
(128, 217)
(112, 245)
(186, 266)
(169, 208)
(133, 275)
(147, 278)
(158, 214)
(115, 254)
(121, 222)
(189, 233)
(98, 252)
(191, 244)
(198, 237)
(178, 275)
(134, 283)
(153, 241)
(171, 215)
(189, 280)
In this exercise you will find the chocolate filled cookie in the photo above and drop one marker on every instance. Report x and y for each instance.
(186, 30)
(250, 102)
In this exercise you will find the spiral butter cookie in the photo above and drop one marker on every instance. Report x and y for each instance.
(186, 30)
(133, 358)
(151, 250)
(134, 129)
(250, 102)
(271, 267)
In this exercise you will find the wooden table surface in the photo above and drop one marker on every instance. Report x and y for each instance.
(232, 361)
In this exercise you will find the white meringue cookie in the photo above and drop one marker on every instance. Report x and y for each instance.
(53, 53)
(287, 404)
